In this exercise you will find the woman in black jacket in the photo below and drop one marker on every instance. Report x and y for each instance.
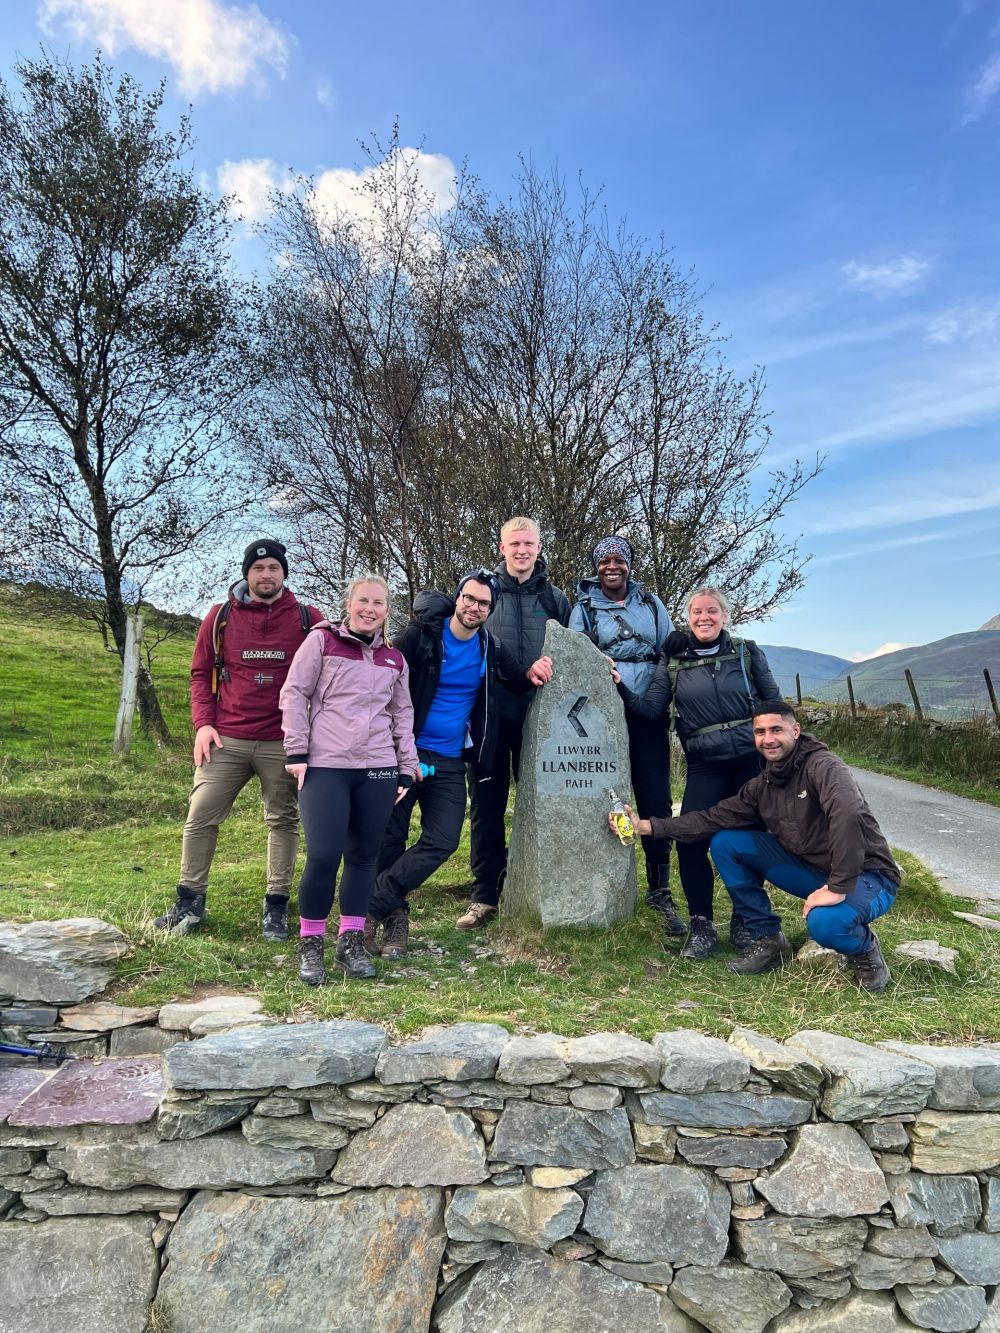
(709, 683)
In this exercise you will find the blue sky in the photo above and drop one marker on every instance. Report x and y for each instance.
(830, 169)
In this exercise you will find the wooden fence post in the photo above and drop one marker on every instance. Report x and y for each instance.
(913, 694)
(850, 695)
(798, 690)
(130, 686)
(991, 692)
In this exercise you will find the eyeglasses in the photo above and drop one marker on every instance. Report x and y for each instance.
(470, 602)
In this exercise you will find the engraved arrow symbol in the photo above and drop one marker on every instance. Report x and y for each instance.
(577, 708)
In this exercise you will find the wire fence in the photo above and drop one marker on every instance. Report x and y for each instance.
(947, 698)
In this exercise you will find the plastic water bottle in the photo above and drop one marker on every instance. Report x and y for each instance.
(623, 825)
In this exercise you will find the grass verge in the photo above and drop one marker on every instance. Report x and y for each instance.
(567, 981)
(963, 758)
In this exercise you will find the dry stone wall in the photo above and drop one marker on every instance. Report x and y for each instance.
(315, 1175)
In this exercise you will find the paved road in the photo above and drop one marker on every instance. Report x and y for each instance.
(958, 839)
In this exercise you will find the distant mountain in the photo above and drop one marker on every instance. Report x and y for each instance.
(814, 669)
(991, 624)
(948, 675)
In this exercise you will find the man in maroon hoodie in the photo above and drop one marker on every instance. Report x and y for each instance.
(241, 658)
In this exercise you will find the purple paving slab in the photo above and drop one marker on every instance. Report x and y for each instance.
(95, 1092)
(16, 1083)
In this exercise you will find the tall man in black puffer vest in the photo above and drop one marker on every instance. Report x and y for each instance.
(529, 601)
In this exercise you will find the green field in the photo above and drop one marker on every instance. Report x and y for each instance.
(88, 835)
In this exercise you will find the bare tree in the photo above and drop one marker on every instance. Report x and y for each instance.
(431, 372)
(704, 508)
(117, 357)
(355, 421)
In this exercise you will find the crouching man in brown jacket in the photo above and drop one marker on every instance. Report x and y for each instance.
(820, 843)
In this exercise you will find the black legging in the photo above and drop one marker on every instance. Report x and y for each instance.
(344, 814)
(707, 784)
(649, 754)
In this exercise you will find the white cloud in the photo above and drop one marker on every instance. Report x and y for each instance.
(961, 324)
(342, 190)
(923, 500)
(325, 95)
(879, 652)
(889, 279)
(214, 47)
(985, 88)
(877, 548)
(953, 396)
(252, 183)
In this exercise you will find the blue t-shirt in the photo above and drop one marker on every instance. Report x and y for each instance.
(462, 671)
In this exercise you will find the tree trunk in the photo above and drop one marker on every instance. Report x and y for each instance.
(150, 712)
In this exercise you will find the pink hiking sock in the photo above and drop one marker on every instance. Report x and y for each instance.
(307, 927)
(351, 923)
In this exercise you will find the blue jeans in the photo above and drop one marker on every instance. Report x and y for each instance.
(745, 859)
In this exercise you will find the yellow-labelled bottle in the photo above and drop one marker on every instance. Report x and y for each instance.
(623, 825)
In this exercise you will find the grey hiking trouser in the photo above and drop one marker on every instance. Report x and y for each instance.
(217, 785)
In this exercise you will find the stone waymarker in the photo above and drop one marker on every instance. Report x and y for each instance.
(564, 864)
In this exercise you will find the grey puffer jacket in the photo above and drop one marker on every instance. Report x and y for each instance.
(519, 624)
(710, 690)
(630, 632)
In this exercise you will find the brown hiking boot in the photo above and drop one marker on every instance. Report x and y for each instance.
(477, 916)
(370, 937)
(870, 969)
(395, 934)
(764, 955)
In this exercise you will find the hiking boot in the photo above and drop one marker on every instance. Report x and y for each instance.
(764, 955)
(275, 919)
(477, 916)
(702, 940)
(187, 912)
(370, 936)
(661, 900)
(311, 967)
(395, 934)
(351, 957)
(739, 936)
(870, 969)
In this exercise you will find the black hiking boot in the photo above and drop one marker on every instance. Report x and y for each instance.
(351, 957)
(739, 936)
(396, 935)
(187, 912)
(702, 940)
(275, 918)
(870, 969)
(764, 955)
(370, 936)
(659, 897)
(311, 967)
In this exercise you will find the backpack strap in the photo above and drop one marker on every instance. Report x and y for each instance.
(218, 631)
(547, 597)
(219, 673)
(676, 665)
(584, 602)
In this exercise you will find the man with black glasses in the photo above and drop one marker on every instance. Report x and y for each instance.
(456, 670)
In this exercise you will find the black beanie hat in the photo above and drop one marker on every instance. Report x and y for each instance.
(261, 550)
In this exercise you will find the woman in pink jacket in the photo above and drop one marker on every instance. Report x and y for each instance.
(348, 726)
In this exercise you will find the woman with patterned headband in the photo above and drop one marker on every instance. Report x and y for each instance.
(630, 624)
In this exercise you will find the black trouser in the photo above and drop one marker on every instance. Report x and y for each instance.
(649, 752)
(707, 784)
(402, 869)
(488, 850)
(344, 814)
